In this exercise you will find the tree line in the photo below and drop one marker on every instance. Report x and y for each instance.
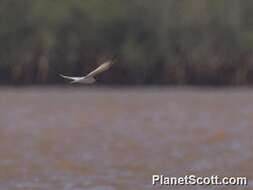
(195, 42)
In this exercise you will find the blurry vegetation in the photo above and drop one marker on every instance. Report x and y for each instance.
(157, 42)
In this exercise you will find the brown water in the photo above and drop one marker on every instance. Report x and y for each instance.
(109, 139)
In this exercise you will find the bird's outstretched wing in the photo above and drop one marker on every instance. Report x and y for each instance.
(84, 80)
(104, 67)
(70, 78)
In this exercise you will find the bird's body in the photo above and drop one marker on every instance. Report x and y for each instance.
(89, 78)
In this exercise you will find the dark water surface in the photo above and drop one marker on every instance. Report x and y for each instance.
(109, 139)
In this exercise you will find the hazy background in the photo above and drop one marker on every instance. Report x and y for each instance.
(196, 42)
(115, 137)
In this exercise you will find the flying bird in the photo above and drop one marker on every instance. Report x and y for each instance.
(90, 78)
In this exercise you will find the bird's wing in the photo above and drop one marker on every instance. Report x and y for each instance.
(84, 80)
(105, 66)
(71, 78)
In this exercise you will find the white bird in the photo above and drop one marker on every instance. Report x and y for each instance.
(89, 78)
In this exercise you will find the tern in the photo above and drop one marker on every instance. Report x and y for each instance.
(90, 78)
